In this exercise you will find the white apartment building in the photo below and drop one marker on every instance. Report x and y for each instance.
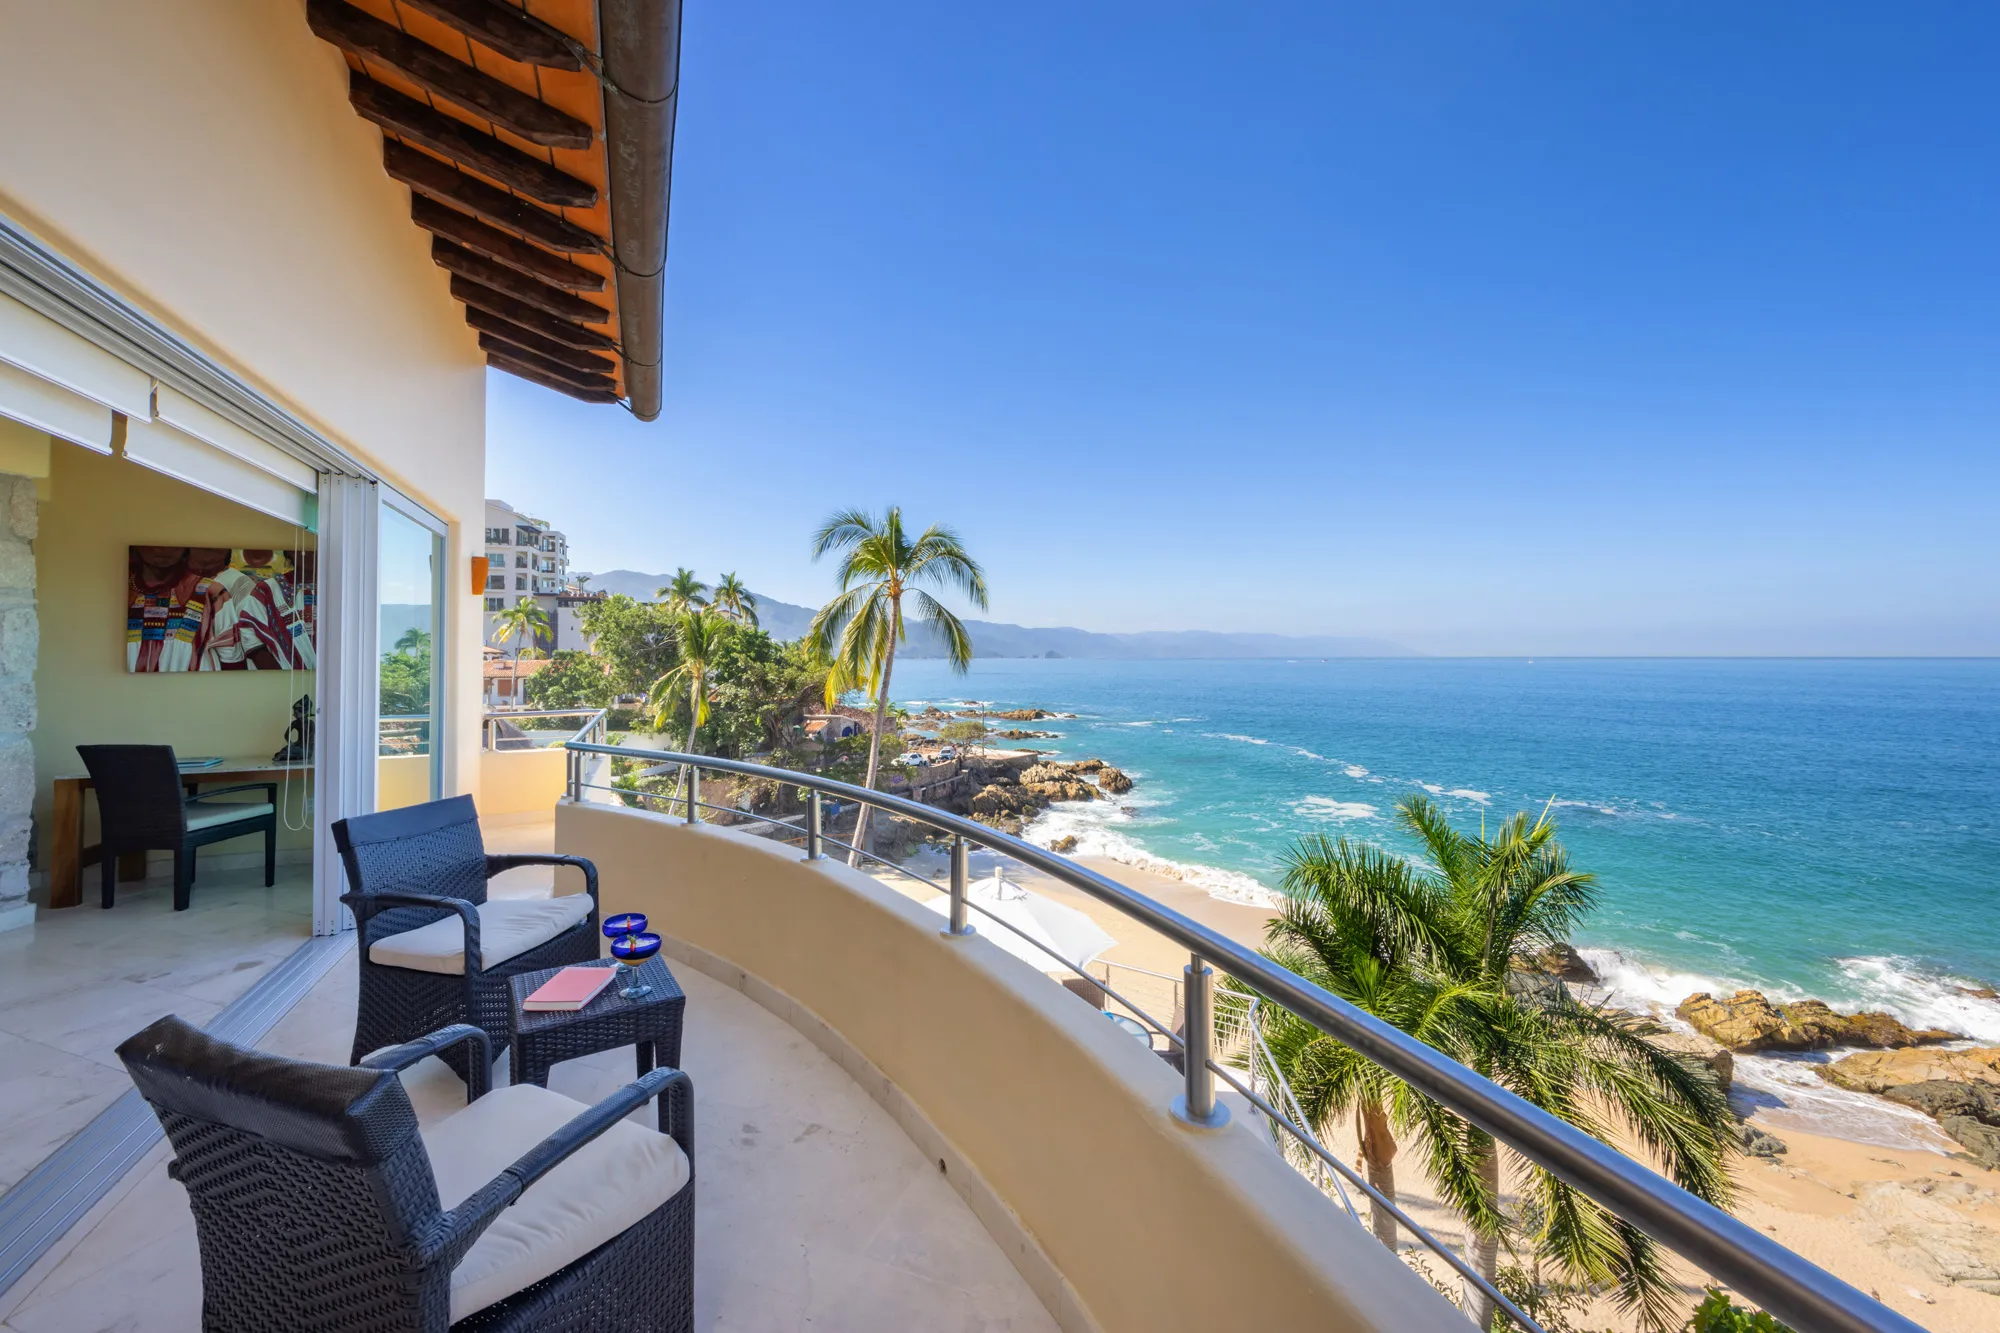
(525, 557)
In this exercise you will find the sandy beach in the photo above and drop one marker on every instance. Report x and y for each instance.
(1895, 1223)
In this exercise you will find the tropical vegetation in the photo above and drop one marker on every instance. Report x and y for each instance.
(857, 633)
(522, 624)
(406, 675)
(1448, 948)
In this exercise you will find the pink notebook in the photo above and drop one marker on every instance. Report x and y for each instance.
(571, 988)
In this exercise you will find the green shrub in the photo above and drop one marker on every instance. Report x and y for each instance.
(1716, 1314)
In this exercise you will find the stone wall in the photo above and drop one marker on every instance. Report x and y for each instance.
(19, 637)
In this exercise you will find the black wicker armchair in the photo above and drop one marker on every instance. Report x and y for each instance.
(142, 807)
(433, 950)
(320, 1206)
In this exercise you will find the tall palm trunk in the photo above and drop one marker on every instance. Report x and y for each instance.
(1378, 1158)
(875, 744)
(1485, 1245)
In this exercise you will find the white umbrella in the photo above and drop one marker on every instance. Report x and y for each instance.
(1069, 934)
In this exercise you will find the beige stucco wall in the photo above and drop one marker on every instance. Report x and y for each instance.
(516, 782)
(94, 509)
(200, 157)
(1154, 1226)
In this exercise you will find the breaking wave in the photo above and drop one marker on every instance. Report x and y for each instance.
(1094, 825)
(1325, 807)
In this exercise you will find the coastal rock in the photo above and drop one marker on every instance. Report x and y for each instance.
(1016, 734)
(1879, 1071)
(1065, 789)
(1747, 1022)
(1758, 1143)
(1938, 1098)
(1744, 1022)
(1978, 992)
(1064, 845)
(1043, 773)
(1086, 766)
(1022, 715)
(1705, 1049)
(1922, 1225)
(994, 799)
(1981, 1141)
(1560, 960)
(1113, 781)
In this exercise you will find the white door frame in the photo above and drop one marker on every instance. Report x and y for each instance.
(350, 681)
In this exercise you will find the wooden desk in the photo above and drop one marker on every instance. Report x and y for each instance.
(67, 854)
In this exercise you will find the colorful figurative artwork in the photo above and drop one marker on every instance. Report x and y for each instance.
(201, 608)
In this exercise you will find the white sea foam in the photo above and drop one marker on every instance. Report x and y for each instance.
(1355, 771)
(1325, 807)
(1631, 983)
(1432, 788)
(1468, 794)
(1095, 826)
(1922, 998)
(1232, 736)
(1785, 1091)
(1307, 754)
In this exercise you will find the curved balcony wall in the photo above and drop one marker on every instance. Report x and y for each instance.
(1050, 1122)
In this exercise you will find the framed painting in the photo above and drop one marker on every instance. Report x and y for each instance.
(212, 608)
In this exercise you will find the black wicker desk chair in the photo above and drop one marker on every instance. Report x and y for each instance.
(319, 1205)
(433, 949)
(143, 808)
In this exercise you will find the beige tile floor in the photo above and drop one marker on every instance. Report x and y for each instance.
(81, 980)
(814, 1210)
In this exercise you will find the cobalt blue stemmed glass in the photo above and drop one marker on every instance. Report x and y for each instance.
(631, 951)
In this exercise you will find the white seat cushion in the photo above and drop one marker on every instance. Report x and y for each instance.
(507, 926)
(599, 1191)
(208, 816)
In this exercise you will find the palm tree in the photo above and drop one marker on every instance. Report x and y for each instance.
(685, 592)
(858, 631)
(521, 624)
(698, 638)
(1431, 950)
(732, 599)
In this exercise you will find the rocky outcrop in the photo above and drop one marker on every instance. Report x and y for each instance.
(1113, 781)
(1938, 1098)
(1022, 715)
(1746, 1022)
(1980, 1140)
(1064, 845)
(1759, 1143)
(1085, 766)
(996, 799)
(1560, 960)
(1705, 1049)
(1926, 1226)
(1044, 773)
(1879, 1071)
(1016, 734)
(1063, 789)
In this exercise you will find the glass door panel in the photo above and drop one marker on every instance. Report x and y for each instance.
(409, 750)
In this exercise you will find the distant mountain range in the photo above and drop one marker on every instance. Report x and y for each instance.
(993, 639)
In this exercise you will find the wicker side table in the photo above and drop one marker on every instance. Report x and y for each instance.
(652, 1023)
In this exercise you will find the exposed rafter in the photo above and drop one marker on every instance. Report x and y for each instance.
(515, 366)
(547, 365)
(492, 325)
(503, 279)
(447, 184)
(539, 321)
(442, 75)
(505, 29)
(502, 247)
(407, 118)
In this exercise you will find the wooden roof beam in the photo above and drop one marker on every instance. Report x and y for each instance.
(499, 346)
(589, 394)
(447, 184)
(501, 247)
(440, 75)
(537, 321)
(500, 278)
(504, 29)
(430, 128)
(492, 325)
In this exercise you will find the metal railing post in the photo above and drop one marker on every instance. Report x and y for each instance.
(694, 794)
(1197, 1105)
(815, 828)
(575, 776)
(961, 859)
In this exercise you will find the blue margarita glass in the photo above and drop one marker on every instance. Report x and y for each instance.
(632, 951)
(628, 923)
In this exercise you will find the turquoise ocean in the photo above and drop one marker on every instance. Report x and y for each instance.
(1826, 828)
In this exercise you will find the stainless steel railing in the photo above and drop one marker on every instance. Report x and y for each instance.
(1784, 1283)
(592, 731)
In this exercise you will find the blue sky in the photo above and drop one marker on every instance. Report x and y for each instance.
(1525, 328)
